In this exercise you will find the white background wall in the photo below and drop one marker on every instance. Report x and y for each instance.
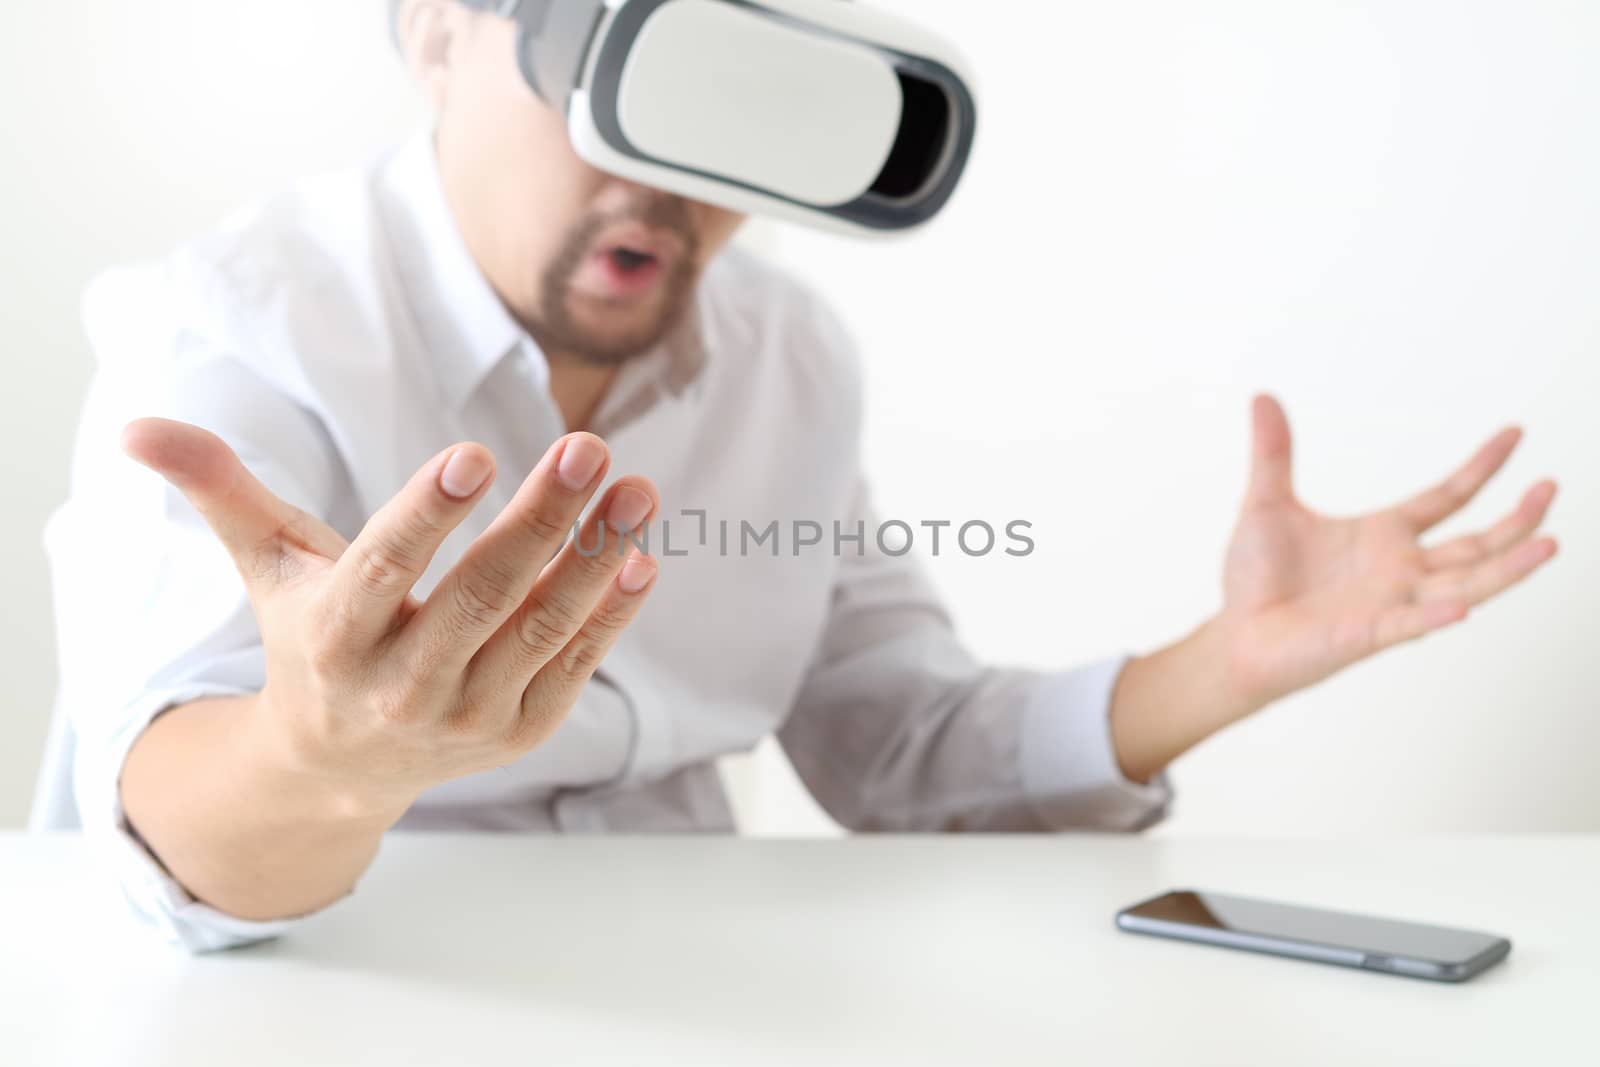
(1383, 211)
(126, 127)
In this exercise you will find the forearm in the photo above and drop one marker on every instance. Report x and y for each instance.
(236, 824)
(1168, 702)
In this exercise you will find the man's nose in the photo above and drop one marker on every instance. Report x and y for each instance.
(621, 193)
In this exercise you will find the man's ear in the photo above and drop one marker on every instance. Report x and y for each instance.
(429, 32)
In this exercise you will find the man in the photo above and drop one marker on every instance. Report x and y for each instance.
(343, 621)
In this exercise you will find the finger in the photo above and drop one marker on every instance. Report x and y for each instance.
(1271, 454)
(1511, 530)
(1480, 581)
(375, 575)
(1431, 507)
(550, 696)
(565, 595)
(496, 574)
(265, 536)
(1412, 621)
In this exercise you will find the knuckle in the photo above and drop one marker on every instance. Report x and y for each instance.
(327, 655)
(522, 733)
(381, 569)
(419, 676)
(463, 721)
(598, 567)
(390, 560)
(431, 661)
(399, 691)
(609, 620)
(394, 707)
(481, 599)
(535, 723)
(581, 658)
(407, 701)
(543, 525)
(420, 525)
(539, 631)
(331, 614)
(561, 607)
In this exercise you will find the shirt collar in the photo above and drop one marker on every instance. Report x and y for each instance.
(466, 328)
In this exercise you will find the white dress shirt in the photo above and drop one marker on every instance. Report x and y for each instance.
(338, 337)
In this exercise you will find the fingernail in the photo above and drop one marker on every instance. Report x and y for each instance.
(636, 574)
(465, 473)
(580, 462)
(628, 509)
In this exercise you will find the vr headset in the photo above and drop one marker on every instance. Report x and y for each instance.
(820, 112)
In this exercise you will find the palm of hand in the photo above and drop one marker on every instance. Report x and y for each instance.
(1307, 595)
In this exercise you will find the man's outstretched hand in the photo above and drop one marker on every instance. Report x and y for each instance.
(1306, 595)
(273, 805)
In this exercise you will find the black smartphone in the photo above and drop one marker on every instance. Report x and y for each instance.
(1412, 949)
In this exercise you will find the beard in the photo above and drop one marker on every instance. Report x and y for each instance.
(635, 329)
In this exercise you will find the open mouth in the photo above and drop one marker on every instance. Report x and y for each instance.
(628, 272)
(631, 260)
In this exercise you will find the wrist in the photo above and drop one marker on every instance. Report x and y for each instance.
(1213, 655)
(322, 791)
(1169, 701)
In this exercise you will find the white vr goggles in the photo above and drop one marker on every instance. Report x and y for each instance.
(814, 111)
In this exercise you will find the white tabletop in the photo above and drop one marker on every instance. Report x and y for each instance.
(477, 950)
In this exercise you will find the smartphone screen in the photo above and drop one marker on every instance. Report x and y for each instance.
(1388, 945)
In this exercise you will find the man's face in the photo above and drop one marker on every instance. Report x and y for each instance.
(596, 268)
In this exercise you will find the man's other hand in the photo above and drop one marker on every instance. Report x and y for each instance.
(1306, 595)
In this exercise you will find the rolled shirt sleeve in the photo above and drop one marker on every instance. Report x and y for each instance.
(898, 728)
(153, 894)
(1069, 763)
(150, 611)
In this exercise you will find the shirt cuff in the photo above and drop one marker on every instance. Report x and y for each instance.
(156, 898)
(1069, 764)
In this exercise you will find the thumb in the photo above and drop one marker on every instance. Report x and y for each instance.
(1271, 454)
(261, 532)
